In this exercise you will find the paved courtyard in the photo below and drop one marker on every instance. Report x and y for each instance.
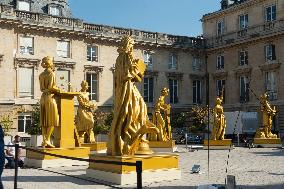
(258, 168)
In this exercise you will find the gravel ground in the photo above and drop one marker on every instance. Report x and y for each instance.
(257, 168)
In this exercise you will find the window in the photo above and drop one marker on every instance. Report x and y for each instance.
(24, 6)
(63, 49)
(196, 88)
(148, 59)
(243, 19)
(270, 52)
(26, 82)
(270, 13)
(24, 122)
(271, 85)
(173, 85)
(55, 10)
(196, 64)
(220, 62)
(244, 92)
(220, 27)
(173, 62)
(63, 79)
(92, 53)
(220, 88)
(148, 89)
(243, 58)
(26, 45)
(92, 79)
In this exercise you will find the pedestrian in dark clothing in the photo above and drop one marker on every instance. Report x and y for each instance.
(2, 155)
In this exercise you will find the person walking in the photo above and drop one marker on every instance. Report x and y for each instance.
(2, 155)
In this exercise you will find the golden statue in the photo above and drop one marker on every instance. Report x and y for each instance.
(219, 124)
(85, 117)
(49, 117)
(268, 113)
(163, 124)
(130, 122)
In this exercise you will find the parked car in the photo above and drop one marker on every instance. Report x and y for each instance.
(191, 138)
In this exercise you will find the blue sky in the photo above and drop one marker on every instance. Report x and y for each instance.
(179, 17)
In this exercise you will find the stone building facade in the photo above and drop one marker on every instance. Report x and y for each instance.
(30, 30)
(245, 45)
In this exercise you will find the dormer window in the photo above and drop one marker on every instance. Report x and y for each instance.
(24, 5)
(55, 10)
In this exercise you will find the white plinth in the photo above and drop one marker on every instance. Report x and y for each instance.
(131, 178)
(166, 150)
(99, 151)
(53, 163)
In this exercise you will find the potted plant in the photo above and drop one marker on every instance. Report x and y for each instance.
(35, 129)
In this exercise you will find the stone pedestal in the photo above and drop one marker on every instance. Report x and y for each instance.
(163, 146)
(96, 147)
(156, 167)
(218, 144)
(34, 159)
(267, 142)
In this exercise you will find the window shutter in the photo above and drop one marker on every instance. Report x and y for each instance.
(273, 52)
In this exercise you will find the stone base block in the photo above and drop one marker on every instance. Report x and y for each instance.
(34, 159)
(131, 177)
(96, 147)
(218, 144)
(156, 167)
(163, 146)
(267, 142)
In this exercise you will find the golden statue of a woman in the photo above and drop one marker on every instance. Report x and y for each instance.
(267, 118)
(85, 117)
(49, 117)
(219, 125)
(130, 122)
(163, 124)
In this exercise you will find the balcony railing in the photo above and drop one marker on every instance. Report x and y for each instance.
(246, 34)
(46, 20)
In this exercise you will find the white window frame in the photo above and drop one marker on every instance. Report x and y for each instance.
(269, 54)
(220, 64)
(25, 118)
(60, 52)
(148, 59)
(243, 21)
(243, 57)
(20, 92)
(94, 56)
(198, 99)
(91, 93)
(175, 93)
(173, 65)
(221, 83)
(24, 48)
(245, 79)
(50, 7)
(270, 9)
(220, 27)
(147, 89)
(196, 64)
(23, 9)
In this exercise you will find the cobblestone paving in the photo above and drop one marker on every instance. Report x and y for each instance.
(257, 168)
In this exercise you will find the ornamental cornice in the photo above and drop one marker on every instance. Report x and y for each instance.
(151, 73)
(26, 62)
(220, 74)
(64, 64)
(197, 75)
(270, 66)
(91, 68)
(243, 71)
(175, 75)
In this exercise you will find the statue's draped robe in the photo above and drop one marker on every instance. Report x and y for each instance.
(85, 118)
(219, 122)
(130, 110)
(48, 106)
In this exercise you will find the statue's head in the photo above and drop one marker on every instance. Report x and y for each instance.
(218, 101)
(126, 44)
(85, 85)
(47, 62)
(165, 91)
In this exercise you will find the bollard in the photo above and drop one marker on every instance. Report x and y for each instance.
(139, 174)
(16, 165)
